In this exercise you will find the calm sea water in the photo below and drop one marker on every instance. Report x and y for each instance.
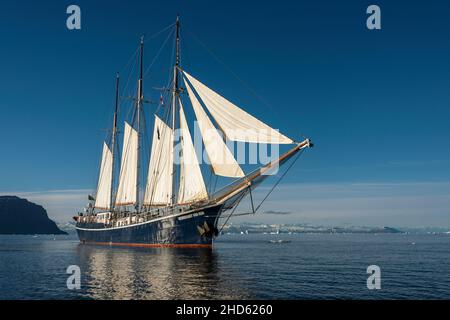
(311, 266)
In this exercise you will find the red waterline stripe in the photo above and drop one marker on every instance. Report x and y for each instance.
(149, 245)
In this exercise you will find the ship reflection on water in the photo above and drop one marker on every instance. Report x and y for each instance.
(156, 273)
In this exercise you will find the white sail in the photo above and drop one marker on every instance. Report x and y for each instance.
(192, 186)
(103, 197)
(126, 191)
(222, 161)
(159, 191)
(236, 124)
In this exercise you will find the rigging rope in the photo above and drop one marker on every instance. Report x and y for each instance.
(234, 74)
(158, 53)
(232, 212)
(159, 32)
(267, 195)
(279, 180)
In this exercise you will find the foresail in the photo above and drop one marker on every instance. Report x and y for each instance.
(236, 124)
(222, 161)
(103, 197)
(126, 191)
(158, 190)
(192, 186)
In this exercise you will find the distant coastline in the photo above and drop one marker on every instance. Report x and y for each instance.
(307, 228)
(303, 228)
(261, 228)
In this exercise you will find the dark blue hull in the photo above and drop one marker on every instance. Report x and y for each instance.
(192, 229)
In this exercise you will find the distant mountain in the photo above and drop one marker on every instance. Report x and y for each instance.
(68, 227)
(19, 216)
(303, 228)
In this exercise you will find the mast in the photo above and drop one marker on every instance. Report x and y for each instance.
(177, 62)
(113, 139)
(140, 99)
(175, 95)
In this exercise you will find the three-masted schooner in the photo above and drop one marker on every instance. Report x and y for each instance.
(177, 209)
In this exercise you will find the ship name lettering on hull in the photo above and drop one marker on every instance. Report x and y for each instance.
(191, 215)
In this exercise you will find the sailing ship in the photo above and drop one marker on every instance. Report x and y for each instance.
(176, 209)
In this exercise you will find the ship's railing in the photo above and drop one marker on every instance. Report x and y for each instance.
(124, 217)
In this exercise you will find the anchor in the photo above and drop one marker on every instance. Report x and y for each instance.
(206, 231)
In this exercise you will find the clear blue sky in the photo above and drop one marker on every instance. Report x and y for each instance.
(375, 102)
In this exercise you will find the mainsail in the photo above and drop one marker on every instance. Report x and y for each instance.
(103, 197)
(192, 186)
(236, 124)
(158, 191)
(222, 161)
(126, 191)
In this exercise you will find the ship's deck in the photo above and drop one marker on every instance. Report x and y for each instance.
(120, 219)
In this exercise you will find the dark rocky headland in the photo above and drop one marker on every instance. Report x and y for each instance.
(19, 216)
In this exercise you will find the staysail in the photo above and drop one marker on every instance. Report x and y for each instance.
(236, 124)
(126, 191)
(222, 161)
(192, 186)
(158, 191)
(103, 197)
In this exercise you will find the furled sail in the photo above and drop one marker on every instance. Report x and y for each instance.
(103, 198)
(222, 161)
(126, 191)
(158, 191)
(192, 186)
(236, 124)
